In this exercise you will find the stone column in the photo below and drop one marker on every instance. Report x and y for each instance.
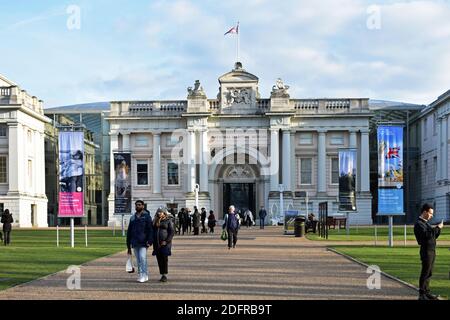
(365, 161)
(287, 160)
(114, 148)
(156, 162)
(40, 165)
(15, 158)
(274, 160)
(439, 149)
(352, 141)
(192, 163)
(293, 161)
(322, 166)
(445, 149)
(204, 151)
(126, 142)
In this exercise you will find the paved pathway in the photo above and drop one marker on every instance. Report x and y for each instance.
(265, 265)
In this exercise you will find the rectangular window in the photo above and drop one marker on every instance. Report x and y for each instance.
(335, 170)
(3, 169)
(3, 130)
(306, 171)
(29, 136)
(172, 173)
(337, 139)
(142, 172)
(141, 140)
(306, 138)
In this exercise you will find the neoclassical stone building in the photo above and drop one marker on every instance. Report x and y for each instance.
(22, 163)
(239, 148)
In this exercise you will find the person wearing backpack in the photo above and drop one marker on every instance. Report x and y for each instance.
(231, 224)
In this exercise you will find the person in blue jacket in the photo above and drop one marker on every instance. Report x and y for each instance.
(140, 238)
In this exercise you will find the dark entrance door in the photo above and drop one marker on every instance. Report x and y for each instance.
(241, 195)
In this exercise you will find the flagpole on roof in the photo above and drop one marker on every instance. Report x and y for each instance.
(238, 35)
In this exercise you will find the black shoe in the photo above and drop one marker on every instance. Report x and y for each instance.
(229, 248)
(423, 297)
(234, 246)
(431, 296)
(163, 279)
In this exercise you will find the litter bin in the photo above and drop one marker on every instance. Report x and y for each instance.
(299, 227)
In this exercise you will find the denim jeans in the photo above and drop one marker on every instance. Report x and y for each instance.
(141, 260)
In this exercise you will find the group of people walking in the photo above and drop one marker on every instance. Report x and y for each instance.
(187, 221)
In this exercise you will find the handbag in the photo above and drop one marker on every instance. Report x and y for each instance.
(129, 266)
(224, 235)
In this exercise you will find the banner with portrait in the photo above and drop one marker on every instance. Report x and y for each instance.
(122, 183)
(390, 170)
(71, 174)
(347, 179)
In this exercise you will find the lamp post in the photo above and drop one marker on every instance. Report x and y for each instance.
(281, 189)
(196, 189)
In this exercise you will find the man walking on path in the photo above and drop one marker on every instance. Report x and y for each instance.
(203, 219)
(426, 236)
(7, 221)
(140, 237)
(231, 224)
(262, 217)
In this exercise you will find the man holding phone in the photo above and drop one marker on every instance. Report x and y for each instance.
(426, 236)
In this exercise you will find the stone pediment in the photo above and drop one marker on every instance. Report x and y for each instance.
(238, 74)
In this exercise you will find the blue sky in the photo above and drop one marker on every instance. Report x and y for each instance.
(155, 49)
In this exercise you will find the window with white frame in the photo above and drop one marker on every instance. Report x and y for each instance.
(172, 173)
(306, 138)
(3, 169)
(334, 170)
(141, 140)
(306, 171)
(142, 172)
(337, 139)
(3, 130)
(29, 137)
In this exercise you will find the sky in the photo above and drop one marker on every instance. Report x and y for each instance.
(83, 51)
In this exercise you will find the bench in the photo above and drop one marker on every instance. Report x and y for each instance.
(341, 222)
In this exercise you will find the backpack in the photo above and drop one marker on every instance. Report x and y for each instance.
(232, 222)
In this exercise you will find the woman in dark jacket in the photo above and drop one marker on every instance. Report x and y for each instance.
(162, 242)
(196, 221)
(7, 220)
(211, 221)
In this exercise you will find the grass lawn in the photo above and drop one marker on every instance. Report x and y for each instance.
(33, 253)
(404, 263)
(368, 234)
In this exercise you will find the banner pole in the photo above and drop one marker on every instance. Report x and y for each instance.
(123, 225)
(405, 234)
(391, 236)
(85, 234)
(376, 234)
(347, 224)
(72, 232)
(57, 236)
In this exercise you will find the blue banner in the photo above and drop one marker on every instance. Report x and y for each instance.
(390, 170)
(347, 180)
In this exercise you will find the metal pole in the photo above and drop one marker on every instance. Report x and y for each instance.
(347, 222)
(376, 235)
(405, 235)
(114, 229)
(72, 232)
(85, 234)
(391, 236)
(57, 236)
(123, 225)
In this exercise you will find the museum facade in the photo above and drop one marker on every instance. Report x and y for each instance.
(241, 149)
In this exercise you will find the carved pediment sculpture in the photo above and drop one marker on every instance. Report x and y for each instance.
(237, 96)
(280, 89)
(239, 171)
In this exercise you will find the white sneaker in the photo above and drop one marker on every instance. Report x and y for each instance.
(146, 278)
(141, 279)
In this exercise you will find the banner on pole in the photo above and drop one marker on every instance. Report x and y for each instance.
(390, 170)
(122, 183)
(347, 179)
(71, 174)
